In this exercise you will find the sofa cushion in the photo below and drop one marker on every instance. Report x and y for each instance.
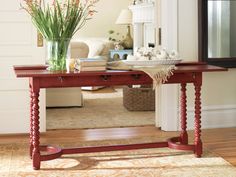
(95, 47)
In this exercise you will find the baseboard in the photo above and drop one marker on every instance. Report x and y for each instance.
(214, 117)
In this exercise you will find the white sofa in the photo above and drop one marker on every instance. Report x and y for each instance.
(91, 47)
(80, 48)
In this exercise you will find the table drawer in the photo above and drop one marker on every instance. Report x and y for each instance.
(98, 80)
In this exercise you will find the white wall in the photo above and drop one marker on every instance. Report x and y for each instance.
(188, 29)
(18, 46)
(219, 88)
(232, 28)
(104, 20)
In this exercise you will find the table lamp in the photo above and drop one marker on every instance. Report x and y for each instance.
(125, 18)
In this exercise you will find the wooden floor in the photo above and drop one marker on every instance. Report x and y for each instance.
(220, 141)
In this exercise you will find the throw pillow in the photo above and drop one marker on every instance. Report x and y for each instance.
(107, 47)
(95, 47)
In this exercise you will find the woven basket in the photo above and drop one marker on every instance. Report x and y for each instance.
(139, 99)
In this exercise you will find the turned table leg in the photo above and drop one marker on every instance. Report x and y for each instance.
(197, 133)
(31, 122)
(36, 133)
(183, 114)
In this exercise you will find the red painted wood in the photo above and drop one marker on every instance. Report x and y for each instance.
(173, 143)
(36, 134)
(183, 115)
(49, 149)
(41, 78)
(197, 133)
(32, 67)
(30, 71)
(54, 82)
(54, 153)
(114, 148)
(31, 122)
(198, 68)
(191, 63)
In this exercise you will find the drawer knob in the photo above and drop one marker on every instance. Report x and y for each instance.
(136, 76)
(61, 79)
(105, 77)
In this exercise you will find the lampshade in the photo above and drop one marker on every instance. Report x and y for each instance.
(125, 17)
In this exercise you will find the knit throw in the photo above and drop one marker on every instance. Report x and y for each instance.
(159, 73)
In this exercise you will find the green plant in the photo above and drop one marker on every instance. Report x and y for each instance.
(59, 21)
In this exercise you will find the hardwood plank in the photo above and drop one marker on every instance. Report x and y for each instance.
(219, 141)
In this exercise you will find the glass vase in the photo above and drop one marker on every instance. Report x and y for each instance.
(58, 51)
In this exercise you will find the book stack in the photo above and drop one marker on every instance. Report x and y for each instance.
(91, 64)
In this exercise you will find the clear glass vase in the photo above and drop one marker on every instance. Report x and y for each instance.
(58, 51)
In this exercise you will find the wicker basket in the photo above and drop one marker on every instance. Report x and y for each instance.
(139, 99)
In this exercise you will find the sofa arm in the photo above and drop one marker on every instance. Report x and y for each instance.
(79, 49)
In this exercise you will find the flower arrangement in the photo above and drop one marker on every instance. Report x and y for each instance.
(114, 36)
(59, 21)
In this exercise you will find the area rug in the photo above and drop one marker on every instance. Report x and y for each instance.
(14, 162)
(102, 109)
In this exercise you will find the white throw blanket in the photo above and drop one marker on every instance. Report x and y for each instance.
(159, 73)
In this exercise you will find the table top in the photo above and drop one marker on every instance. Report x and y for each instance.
(41, 71)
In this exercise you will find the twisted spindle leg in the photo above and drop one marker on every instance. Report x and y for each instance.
(183, 114)
(31, 122)
(197, 133)
(36, 133)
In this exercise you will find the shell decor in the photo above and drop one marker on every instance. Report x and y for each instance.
(146, 53)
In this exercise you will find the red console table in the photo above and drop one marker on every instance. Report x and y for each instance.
(39, 78)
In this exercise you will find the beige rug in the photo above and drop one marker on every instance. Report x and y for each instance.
(14, 162)
(102, 109)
